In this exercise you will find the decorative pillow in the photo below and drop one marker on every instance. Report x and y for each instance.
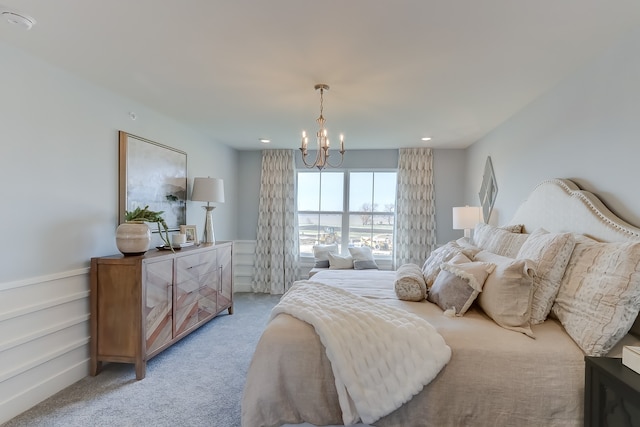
(459, 283)
(600, 294)
(513, 228)
(444, 253)
(339, 262)
(409, 284)
(497, 240)
(507, 292)
(550, 253)
(321, 255)
(363, 258)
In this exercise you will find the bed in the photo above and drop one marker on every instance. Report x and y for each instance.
(497, 374)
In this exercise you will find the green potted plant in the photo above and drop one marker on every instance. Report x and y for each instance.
(133, 236)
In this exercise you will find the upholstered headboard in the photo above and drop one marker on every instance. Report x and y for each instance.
(559, 205)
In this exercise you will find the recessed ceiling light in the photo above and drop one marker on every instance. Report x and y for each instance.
(264, 140)
(426, 138)
(19, 19)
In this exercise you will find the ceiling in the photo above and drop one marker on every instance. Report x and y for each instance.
(240, 70)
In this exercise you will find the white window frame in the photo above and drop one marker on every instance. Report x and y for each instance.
(307, 258)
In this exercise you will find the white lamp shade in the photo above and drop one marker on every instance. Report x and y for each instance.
(466, 217)
(208, 190)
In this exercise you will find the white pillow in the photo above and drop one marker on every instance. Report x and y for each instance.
(507, 292)
(444, 253)
(363, 258)
(321, 254)
(498, 240)
(339, 262)
(599, 295)
(550, 253)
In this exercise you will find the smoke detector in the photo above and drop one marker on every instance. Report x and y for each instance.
(18, 18)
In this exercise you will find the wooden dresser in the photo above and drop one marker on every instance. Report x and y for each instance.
(140, 305)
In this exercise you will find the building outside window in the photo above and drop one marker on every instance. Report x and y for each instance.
(349, 208)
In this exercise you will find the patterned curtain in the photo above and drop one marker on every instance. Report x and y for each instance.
(276, 260)
(415, 207)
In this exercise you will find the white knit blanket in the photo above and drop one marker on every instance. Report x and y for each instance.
(381, 356)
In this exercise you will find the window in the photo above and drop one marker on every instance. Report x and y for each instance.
(350, 208)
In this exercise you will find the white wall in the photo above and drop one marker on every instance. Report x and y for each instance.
(59, 174)
(587, 129)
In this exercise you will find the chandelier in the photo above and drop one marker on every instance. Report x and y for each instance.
(322, 140)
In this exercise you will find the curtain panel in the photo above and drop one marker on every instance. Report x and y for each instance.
(415, 207)
(276, 260)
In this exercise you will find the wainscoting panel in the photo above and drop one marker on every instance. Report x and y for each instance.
(244, 252)
(44, 338)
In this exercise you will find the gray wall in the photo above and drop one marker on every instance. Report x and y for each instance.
(585, 129)
(59, 166)
(448, 171)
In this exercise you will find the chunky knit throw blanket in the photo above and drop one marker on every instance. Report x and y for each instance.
(381, 356)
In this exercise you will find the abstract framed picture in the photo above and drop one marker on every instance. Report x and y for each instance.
(154, 175)
(488, 190)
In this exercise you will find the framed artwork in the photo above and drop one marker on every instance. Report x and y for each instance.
(154, 175)
(191, 231)
(488, 190)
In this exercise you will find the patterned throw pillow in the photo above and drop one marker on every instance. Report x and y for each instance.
(550, 253)
(409, 284)
(497, 240)
(599, 295)
(444, 253)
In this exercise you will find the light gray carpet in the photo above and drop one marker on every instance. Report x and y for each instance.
(196, 382)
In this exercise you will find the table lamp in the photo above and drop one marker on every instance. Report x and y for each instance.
(210, 190)
(465, 218)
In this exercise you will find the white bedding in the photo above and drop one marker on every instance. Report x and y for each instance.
(494, 377)
(380, 356)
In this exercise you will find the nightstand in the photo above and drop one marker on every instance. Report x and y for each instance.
(611, 393)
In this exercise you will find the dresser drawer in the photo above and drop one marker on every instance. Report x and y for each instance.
(193, 267)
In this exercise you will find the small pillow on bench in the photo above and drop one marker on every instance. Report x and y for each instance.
(363, 258)
(321, 254)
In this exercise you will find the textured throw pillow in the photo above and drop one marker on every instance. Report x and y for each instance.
(339, 262)
(363, 258)
(321, 255)
(550, 253)
(409, 284)
(513, 228)
(459, 283)
(497, 240)
(507, 292)
(599, 295)
(444, 253)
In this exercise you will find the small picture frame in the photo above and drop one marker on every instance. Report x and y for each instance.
(192, 233)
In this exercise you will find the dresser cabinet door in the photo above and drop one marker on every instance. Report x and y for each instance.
(158, 304)
(196, 282)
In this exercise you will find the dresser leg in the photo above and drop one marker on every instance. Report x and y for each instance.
(141, 370)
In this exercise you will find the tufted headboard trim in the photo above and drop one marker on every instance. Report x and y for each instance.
(559, 205)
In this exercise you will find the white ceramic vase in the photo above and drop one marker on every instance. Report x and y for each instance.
(133, 238)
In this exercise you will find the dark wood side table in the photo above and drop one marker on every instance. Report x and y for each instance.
(611, 394)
